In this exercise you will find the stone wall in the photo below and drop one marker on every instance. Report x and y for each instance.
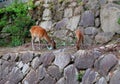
(96, 18)
(61, 66)
(4, 3)
(98, 21)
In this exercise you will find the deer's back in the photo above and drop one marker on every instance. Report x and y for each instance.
(79, 34)
(37, 31)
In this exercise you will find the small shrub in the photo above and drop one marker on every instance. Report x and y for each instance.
(80, 75)
(116, 2)
(16, 21)
(3, 22)
(118, 20)
(16, 41)
(2, 42)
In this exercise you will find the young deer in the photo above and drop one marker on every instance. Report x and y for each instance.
(80, 38)
(40, 33)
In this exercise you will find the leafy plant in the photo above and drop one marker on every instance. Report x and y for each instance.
(16, 21)
(116, 2)
(118, 20)
(79, 1)
(80, 75)
(2, 42)
(3, 21)
(16, 41)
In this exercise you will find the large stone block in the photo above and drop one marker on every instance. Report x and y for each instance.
(70, 73)
(115, 78)
(62, 59)
(84, 59)
(103, 37)
(105, 63)
(89, 76)
(73, 22)
(109, 15)
(87, 19)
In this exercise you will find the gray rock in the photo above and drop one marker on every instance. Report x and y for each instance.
(1, 61)
(92, 5)
(96, 53)
(109, 18)
(105, 63)
(68, 12)
(4, 73)
(15, 75)
(54, 72)
(9, 82)
(5, 68)
(103, 2)
(60, 34)
(19, 64)
(46, 24)
(62, 59)
(41, 71)
(115, 78)
(103, 37)
(102, 80)
(61, 81)
(10, 56)
(47, 1)
(84, 59)
(36, 62)
(112, 0)
(59, 15)
(73, 22)
(6, 56)
(89, 77)
(47, 14)
(25, 69)
(26, 57)
(61, 24)
(48, 80)
(37, 3)
(87, 19)
(46, 5)
(73, 4)
(78, 10)
(2, 81)
(31, 78)
(70, 73)
(91, 31)
(47, 59)
(88, 40)
(79, 53)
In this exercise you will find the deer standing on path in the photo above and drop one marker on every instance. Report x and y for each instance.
(40, 33)
(80, 38)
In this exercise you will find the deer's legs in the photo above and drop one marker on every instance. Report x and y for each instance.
(39, 44)
(33, 43)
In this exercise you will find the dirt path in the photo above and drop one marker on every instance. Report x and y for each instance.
(71, 49)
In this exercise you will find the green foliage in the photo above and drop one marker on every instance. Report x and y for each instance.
(3, 21)
(66, 1)
(2, 42)
(79, 1)
(118, 20)
(16, 41)
(16, 21)
(116, 2)
(80, 75)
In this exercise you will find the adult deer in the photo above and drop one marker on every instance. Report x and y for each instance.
(40, 33)
(80, 38)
